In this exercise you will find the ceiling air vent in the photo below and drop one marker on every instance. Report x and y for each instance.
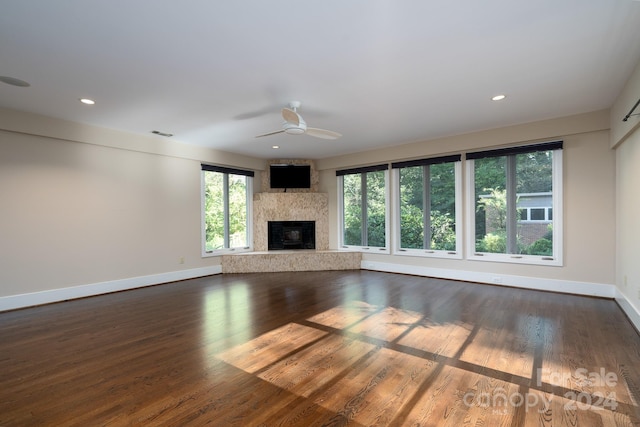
(13, 81)
(157, 132)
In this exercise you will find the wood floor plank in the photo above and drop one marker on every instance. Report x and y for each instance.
(309, 370)
(354, 348)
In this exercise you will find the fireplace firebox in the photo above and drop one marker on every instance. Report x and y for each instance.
(284, 235)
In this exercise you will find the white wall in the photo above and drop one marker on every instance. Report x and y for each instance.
(625, 137)
(628, 219)
(589, 205)
(81, 205)
(94, 207)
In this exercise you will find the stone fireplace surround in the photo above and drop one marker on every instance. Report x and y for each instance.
(304, 205)
(290, 207)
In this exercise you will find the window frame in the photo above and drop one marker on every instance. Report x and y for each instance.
(428, 253)
(340, 179)
(249, 208)
(557, 195)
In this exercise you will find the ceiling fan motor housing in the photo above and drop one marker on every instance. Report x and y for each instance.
(293, 129)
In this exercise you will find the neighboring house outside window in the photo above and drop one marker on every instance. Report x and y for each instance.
(535, 216)
(516, 201)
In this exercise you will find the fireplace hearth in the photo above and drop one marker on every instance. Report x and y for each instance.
(286, 235)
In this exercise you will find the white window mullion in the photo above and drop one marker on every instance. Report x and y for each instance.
(426, 206)
(557, 207)
(363, 209)
(470, 223)
(249, 204)
(225, 186)
(512, 211)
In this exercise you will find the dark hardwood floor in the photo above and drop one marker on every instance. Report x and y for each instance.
(334, 348)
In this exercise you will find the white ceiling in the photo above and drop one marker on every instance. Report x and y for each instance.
(381, 72)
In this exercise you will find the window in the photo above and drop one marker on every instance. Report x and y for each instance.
(535, 214)
(516, 192)
(426, 213)
(364, 208)
(226, 209)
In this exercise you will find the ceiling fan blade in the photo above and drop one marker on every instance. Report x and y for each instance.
(290, 116)
(323, 133)
(270, 133)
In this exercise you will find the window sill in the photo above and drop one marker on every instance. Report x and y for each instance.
(516, 259)
(425, 253)
(366, 249)
(229, 251)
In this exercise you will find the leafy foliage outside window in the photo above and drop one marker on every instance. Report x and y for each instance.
(427, 203)
(352, 197)
(225, 210)
(364, 209)
(530, 173)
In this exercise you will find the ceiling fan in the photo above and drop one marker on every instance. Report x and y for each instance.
(294, 124)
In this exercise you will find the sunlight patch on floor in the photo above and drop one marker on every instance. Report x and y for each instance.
(343, 316)
(387, 324)
(441, 339)
(310, 369)
(270, 347)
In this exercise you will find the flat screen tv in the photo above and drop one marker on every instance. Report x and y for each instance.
(290, 176)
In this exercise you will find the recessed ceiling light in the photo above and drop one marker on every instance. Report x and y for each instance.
(275, 146)
(87, 101)
(13, 81)
(498, 97)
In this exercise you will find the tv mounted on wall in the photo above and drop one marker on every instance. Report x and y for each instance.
(290, 176)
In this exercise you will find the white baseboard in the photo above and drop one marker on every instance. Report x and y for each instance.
(632, 312)
(535, 283)
(577, 288)
(13, 302)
